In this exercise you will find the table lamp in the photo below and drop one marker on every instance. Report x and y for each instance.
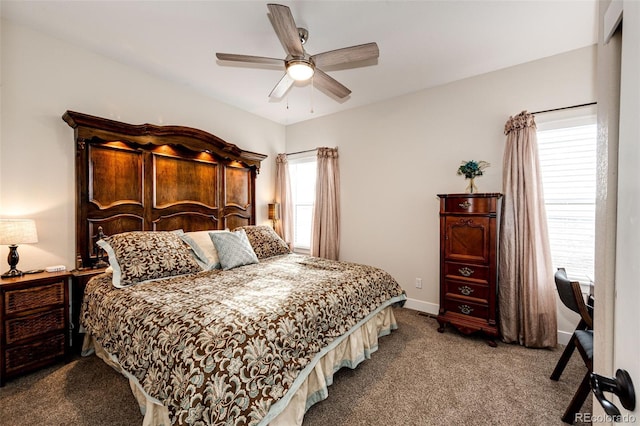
(274, 213)
(12, 233)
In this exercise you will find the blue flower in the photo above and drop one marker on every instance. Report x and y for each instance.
(470, 169)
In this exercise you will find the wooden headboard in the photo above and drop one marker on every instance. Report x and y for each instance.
(148, 177)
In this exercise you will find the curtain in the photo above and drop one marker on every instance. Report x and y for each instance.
(284, 226)
(526, 285)
(325, 239)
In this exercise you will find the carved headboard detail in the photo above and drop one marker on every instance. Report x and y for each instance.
(148, 177)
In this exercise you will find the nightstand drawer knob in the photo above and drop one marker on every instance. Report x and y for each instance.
(466, 290)
(465, 205)
(467, 272)
(465, 309)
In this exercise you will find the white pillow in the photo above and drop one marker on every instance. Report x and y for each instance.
(201, 244)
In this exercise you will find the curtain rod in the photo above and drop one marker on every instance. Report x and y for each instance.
(568, 107)
(301, 152)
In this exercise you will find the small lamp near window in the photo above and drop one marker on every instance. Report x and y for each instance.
(274, 213)
(12, 233)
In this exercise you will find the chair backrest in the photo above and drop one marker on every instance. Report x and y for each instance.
(571, 295)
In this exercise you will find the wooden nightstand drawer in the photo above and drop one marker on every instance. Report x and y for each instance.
(39, 352)
(466, 272)
(33, 325)
(465, 289)
(466, 308)
(34, 297)
(469, 203)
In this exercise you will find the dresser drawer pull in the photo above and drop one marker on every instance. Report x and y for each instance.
(466, 290)
(467, 272)
(465, 309)
(465, 205)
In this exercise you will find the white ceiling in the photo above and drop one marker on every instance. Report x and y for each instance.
(422, 43)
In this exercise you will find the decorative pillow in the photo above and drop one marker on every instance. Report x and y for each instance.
(201, 244)
(233, 249)
(139, 256)
(265, 241)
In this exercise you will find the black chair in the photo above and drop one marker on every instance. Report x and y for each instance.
(571, 295)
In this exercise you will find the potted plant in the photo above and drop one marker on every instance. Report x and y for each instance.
(470, 170)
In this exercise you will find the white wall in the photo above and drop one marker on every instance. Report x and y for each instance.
(395, 156)
(41, 78)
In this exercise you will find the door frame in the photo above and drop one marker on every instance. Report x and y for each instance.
(617, 337)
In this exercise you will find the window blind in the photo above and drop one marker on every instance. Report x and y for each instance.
(568, 167)
(302, 172)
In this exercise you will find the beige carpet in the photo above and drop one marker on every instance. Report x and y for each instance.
(417, 377)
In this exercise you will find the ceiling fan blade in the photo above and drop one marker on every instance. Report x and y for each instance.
(248, 58)
(323, 81)
(281, 88)
(285, 28)
(358, 53)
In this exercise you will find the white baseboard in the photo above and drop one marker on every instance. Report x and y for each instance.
(432, 308)
(419, 305)
(564, 337)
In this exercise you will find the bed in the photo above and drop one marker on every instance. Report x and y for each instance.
(210, 316)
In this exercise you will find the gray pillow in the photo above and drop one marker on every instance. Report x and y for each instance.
(233, 249)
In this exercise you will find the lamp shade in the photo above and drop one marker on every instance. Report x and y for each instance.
(274, 211)
(18, 231)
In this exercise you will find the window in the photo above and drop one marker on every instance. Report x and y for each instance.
(567, 151)
(302, 175)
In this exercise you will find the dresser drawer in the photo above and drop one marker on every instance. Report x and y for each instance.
(467, 204)
(466, 272)
(34, 353)
(471, 309)
(467, 289)
(34, 325)
(34, 297)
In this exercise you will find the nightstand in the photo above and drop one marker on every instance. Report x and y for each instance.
(34, 315)
(79, 280)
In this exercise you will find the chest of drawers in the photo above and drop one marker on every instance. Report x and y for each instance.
(34, 315)
(468, 263)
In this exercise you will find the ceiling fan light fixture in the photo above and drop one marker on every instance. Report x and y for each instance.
(299, 65)
(300, 70)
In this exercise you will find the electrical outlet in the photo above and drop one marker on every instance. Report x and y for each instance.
(418, 282)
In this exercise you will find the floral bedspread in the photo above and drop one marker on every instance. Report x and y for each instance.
(221, 347)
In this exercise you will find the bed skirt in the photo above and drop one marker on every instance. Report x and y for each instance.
(309, 388)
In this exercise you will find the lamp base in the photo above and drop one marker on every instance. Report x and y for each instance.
(12, 273)
(12, 259)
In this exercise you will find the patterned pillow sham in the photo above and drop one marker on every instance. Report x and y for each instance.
(265, 242)
(233, 249)
(140, 256)
(202, 245)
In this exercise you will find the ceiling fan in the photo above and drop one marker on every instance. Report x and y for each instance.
(299, 65)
